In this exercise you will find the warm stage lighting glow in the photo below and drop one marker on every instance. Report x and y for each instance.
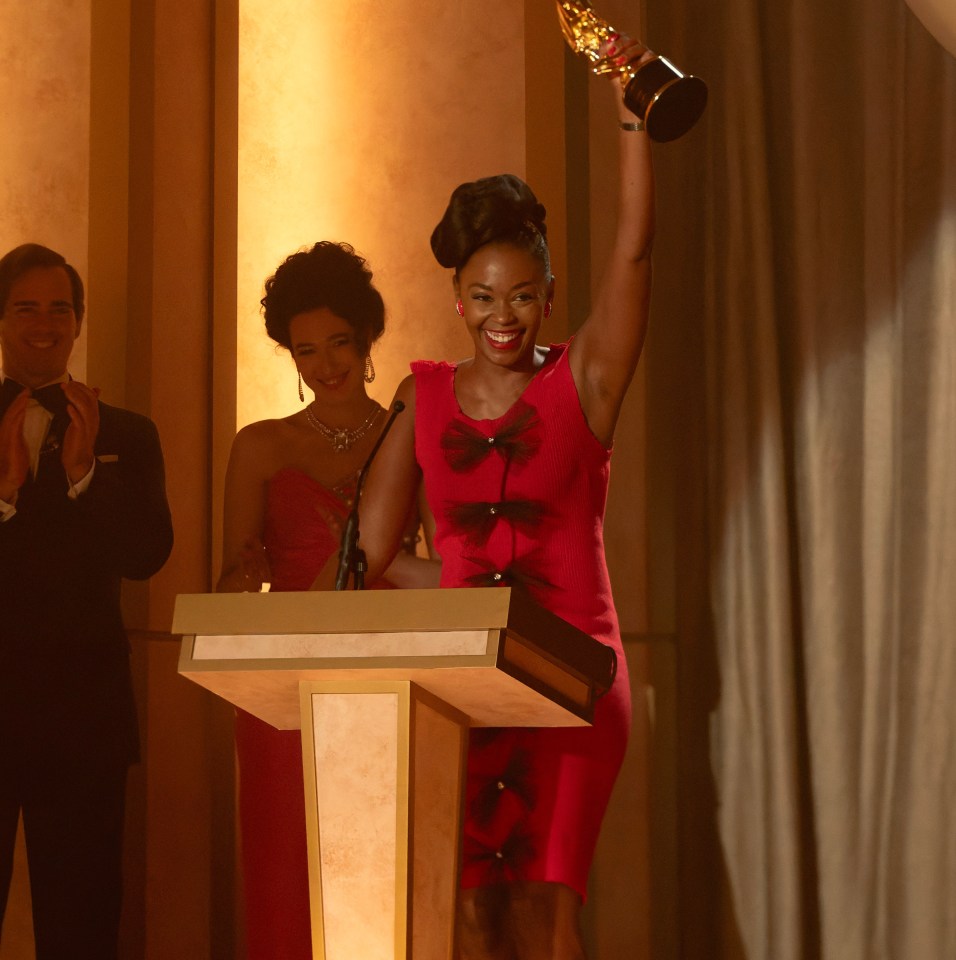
(355, 122)
(289, 93)
(45, 161)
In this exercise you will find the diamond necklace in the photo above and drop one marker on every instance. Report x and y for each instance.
(340, 438)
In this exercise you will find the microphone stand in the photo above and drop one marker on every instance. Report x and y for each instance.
(351, 555)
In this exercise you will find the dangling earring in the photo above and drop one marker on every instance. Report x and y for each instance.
(301, 394)
(369, 369)
(547, 310)
(460, 307)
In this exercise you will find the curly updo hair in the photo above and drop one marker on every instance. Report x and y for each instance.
(501, 209)
(330, 275)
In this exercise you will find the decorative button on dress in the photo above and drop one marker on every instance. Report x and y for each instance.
(520, 500)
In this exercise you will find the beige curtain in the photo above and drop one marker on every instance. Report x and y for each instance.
(802, 373)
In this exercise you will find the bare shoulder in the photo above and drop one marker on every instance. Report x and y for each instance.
(258, 445)
(256, 436)
(406, 391)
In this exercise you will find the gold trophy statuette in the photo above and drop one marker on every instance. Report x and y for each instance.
(668, 101)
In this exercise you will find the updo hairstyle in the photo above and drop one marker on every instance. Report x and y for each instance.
(330, 275)
(501, 209)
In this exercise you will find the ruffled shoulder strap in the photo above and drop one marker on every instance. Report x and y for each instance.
(426, 366)
(434, 381)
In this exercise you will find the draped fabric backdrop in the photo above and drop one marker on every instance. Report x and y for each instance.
(802, 385)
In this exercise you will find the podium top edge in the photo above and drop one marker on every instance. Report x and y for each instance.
(347, 611)
(445, 610)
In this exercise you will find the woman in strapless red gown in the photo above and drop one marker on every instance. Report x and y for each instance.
(514, 446)
(289, 487)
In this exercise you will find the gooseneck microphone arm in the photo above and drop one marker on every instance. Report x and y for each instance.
(351, 556)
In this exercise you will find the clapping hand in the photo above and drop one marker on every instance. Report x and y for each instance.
(14, 456)
(79, 440)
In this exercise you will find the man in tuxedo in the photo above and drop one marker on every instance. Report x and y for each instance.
(82, 504)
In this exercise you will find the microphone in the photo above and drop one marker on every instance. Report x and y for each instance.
(351, 557)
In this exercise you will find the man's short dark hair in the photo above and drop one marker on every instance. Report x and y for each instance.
(29, 256)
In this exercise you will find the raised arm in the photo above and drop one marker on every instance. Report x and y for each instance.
(389, 494)
(605, 352)
(244, 564)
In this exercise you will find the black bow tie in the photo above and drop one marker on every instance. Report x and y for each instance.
(9, 391)
(52, 396)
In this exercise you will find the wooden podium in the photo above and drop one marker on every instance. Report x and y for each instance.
(384, 685)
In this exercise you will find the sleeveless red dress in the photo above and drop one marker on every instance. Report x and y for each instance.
(300, 535)
(520, 500)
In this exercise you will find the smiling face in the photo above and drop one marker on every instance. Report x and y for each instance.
(325, 353)
(38, 327)
(504, 289)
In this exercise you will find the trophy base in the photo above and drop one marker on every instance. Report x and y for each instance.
(668, 101)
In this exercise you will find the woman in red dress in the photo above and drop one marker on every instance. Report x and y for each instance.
(289, 487)
(513, 445)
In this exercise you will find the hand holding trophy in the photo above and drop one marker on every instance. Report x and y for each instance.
(669, 102)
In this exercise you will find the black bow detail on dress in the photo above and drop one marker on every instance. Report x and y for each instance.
(515, 778)
(516, 441)
(509, 861)
(518, 573)
(478, 519)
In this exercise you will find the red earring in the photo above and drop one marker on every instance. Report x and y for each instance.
(547, 310)
(460, 307)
